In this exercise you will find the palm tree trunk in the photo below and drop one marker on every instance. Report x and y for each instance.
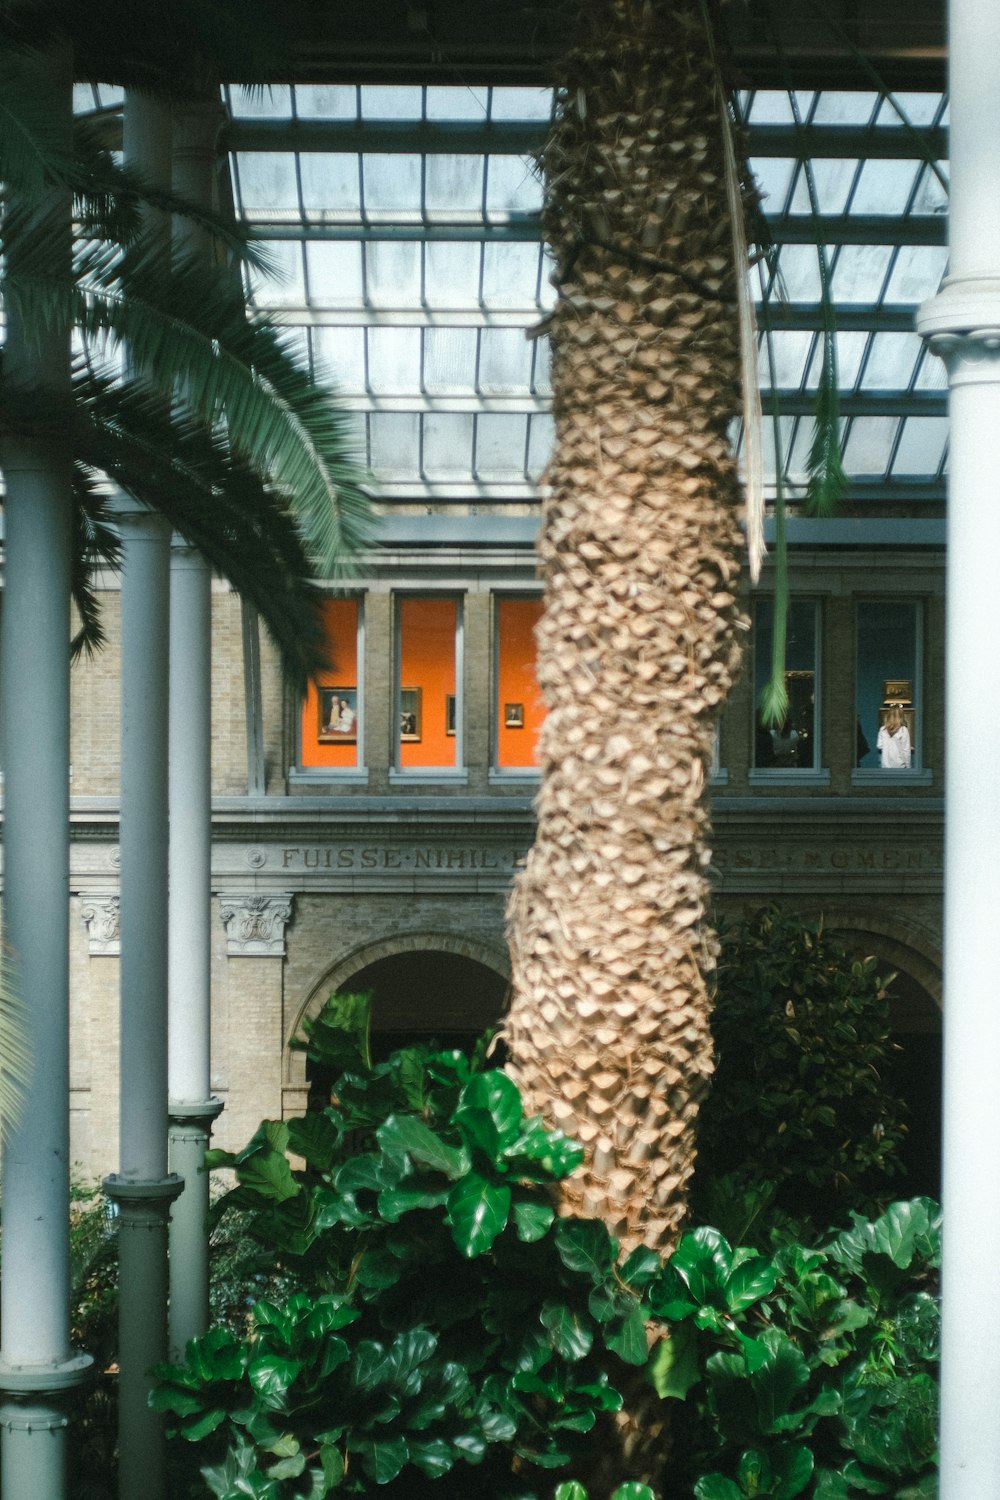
(608, 1028)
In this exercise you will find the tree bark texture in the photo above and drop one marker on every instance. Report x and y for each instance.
(609, 1025)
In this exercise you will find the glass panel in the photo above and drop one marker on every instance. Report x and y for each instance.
(869, 444)
(340, 354)
(395, 444)
(331, 713)
(330, 184)
(268, 186)
(919, 109)
(833, 177)
(844, 107)
(465, 103)
(521, 104)
(859, 273)
(392, 184)
(334, 268)
(789, 349)
(921, 447)
(454, 185)
(504, 361)
(850, 349)
(393, 360)
(518, 706)
(326, 101)
(285, 286)
(272, 102)
(931, 197)
(917, 273)
(771, 107)
(500, 445)
(773, 176)
(391, 101)
(891, 362)
(541, 441)
(798, 267)
(451, 273)
(513, 186)
(427, 653)
(450, 360)
(793, 745)
(392, 273)
(448, 445)
(510, 274)
(884, 187)
(888, 690)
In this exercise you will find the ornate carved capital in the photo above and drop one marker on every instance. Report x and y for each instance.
(100, 912)
(255, 925)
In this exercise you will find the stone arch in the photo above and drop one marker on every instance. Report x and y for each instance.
(489, 955)
(902, 944)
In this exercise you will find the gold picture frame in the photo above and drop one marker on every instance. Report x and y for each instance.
(410, 715)
(338, 715)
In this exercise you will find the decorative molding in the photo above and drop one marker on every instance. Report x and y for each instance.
(100, 912)
(255, 925)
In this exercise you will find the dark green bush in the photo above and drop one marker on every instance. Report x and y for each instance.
(802, 1095)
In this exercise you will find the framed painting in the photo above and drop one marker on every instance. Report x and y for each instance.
(410, 714)
(338, 715)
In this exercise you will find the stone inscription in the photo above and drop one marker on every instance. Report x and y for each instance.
(855, 860)
(390, 857)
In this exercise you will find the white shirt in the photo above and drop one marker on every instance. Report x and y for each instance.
(894, 748)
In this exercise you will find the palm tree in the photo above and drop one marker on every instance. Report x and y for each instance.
(609, 1023)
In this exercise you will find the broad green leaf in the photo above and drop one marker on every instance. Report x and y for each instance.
(407, 1133)
(777, 1382)
(477, 1212)
(717, 1487)
(628, 1339)
(480, 1134)
(315, 1137)
(377, 1269)
(194, 1431)
(633, 1490)
(542, 1153)
(831, 1485)
(532, 1220)
(571, 1489)
(641, 1267)
(674, 1367)
(571, 1335)
(420, 1190)
(384, 1458)
(793, 1465)
(585, 1245)
(750, 1281)
(332, 1461)
(368, 1173)
(271, 1375)
(500, 1098)
(432, 1456)
(287, 1468)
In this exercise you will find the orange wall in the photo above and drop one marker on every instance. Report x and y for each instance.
(342, 632)
(516, 681)
(427, 634)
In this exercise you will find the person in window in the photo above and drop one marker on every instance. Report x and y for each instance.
(893, 743)
(348, 719)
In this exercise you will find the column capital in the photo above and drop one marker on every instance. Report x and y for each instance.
(101, 914)
(255, 924)
(962, 326)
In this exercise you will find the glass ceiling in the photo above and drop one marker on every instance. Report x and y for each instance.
(403, 222)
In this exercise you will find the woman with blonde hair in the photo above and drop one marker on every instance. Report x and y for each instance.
(893, 743)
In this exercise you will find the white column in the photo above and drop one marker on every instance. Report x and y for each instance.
(36, 1364)
(192, 1106)
(963, 326)
(142, 1187)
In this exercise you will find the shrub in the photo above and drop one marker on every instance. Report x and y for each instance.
(802, 1094)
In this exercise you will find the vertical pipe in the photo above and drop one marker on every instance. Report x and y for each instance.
(192, 1107)
(142, 1187)
(36, 1365)
(962, 324)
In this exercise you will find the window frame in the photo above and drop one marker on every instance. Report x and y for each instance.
(816, 774)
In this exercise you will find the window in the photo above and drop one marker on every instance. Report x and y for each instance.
(792, 746)
(428, 704)
(518, 707)
(331, 723)
(889, 714)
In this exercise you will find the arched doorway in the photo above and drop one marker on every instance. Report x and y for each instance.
(426, 988)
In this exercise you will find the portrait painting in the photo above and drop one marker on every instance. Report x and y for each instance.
(338, 715)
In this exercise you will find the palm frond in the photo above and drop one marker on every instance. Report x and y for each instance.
(96, 543)
(188, 327)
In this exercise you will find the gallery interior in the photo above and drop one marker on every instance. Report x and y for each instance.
(364, 836)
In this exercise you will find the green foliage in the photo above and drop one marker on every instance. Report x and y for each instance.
(802, 1094)
(808, 1372)
(443, 1316)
